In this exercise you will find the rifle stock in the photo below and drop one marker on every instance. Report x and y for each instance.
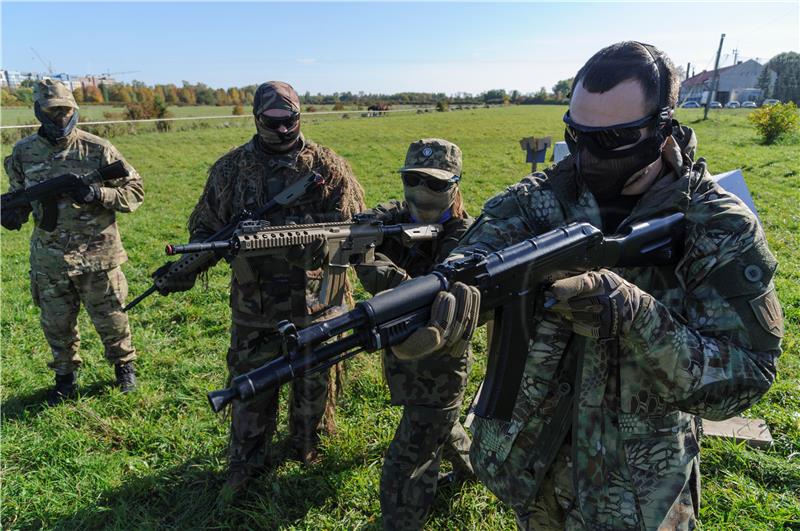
(508, 279)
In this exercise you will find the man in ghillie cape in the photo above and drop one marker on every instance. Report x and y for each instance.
(267, 290)
(623, 363)
(79, 260)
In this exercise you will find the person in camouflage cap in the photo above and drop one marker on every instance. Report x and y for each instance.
(430, 390)
(624, 362)
(79, 261)
(274, 288)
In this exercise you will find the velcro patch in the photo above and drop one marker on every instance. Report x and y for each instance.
(767, 309)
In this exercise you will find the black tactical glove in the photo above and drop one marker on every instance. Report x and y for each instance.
(309, 256)
(171, 283)
(14, 218)
(85, 193)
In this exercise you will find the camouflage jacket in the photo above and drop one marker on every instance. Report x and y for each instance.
(708, 349)
(246, 178)
(414, 261)
(86, 237)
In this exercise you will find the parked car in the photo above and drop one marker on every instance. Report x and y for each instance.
(770, 101)
(748, 105)
(715, 105)
(690, 105)
(732, 105)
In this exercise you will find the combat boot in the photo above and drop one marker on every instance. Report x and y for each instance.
(63, 390)
(126, 377)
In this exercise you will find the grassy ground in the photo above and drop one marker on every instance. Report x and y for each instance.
(155, 458)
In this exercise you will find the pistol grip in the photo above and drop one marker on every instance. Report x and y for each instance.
(49, 214)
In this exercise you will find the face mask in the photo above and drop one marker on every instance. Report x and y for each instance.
(606, 172)
(273, 141)
(50, 129)
(427, 206)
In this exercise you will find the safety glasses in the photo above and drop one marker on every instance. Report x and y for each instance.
(615, 136)
(437, 185)
(275, 123)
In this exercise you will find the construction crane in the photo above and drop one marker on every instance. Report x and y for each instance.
(107, 74)
(47, 64)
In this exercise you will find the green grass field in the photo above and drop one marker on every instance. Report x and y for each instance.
(155, 459)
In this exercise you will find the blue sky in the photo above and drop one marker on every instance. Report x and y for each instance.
(378, 47)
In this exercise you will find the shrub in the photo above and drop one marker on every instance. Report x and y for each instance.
(775, 120)
(311, 108)
(238, 110)
(338, 106)
(442, 106)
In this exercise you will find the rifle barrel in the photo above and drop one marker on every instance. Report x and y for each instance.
(201, 247)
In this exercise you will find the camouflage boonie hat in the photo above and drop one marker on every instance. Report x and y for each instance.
(275, 95)
(435, 157)
(51, 93)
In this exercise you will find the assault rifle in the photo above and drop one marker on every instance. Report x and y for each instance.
(200, 261)
(349, 242)
(510, 282)
(48, 192)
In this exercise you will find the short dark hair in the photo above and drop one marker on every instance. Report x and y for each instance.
(631, 60)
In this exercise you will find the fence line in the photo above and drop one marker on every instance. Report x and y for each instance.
(145, 120)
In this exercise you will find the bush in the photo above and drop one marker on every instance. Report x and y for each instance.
(338, 106)
(311, 108)
(775, 120)
(238, 110)
(442, 106)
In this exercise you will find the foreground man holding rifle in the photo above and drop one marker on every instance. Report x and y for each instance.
(589, 417)
(74, 183)
(275, 287)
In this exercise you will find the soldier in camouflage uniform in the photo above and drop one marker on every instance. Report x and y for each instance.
(604, 432)
(79, 261)
(266, 290)
(430, 390)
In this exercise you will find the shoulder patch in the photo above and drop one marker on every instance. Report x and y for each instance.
(767, 309)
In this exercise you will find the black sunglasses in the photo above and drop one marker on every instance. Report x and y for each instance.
(614, 136)
(437, 185)
(275, 123)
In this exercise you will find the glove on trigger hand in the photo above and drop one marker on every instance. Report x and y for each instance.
(85, 193)
(454, 318)
(599, 304)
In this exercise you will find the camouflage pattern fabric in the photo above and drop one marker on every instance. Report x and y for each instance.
(273, 290)
(435, 157)
(79, 260)
(103, 293)
(50, 93)
(86, 238)
(275, 95)
(254, 421)
(430, 390)
(627, 409)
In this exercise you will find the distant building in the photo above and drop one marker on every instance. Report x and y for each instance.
(738, 82)
(12, 79)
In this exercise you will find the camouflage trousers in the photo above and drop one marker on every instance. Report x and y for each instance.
(555, 509)
(431, 392)
(253, 422)
(59, 297)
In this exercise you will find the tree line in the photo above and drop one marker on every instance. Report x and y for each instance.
(188, 94)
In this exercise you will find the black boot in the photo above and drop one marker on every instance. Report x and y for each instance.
(126, 377)
(64, 389)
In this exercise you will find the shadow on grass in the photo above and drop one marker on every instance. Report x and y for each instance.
(186, 497)
(33, 403)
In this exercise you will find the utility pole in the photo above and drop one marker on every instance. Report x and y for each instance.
(714, 78)
(688, 68)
